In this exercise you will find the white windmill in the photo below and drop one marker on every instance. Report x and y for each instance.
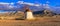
(28, 13)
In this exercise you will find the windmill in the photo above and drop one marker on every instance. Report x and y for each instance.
(28, 13)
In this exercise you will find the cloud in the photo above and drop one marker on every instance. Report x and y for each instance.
(11, 5)
(5, 6)
(32, 4)
(3, 3)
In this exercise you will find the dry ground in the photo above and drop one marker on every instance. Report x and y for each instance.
(38, 22)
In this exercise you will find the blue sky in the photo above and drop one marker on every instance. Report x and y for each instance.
(52, 2)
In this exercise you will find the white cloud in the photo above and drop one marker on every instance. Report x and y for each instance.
(32, 4)
(36, 5)
(20, 2)
(3, 3)
(12, 3)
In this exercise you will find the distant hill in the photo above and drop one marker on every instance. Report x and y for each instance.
(38, 12)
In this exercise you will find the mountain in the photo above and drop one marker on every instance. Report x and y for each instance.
(18, 6)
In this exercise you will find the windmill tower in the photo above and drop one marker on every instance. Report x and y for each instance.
(28, 13)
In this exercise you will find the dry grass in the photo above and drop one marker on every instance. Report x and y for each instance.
(38, 22)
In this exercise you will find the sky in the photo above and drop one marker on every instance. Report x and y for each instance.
(51, 2)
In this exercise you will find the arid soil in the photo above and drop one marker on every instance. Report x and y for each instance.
(38, 22)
